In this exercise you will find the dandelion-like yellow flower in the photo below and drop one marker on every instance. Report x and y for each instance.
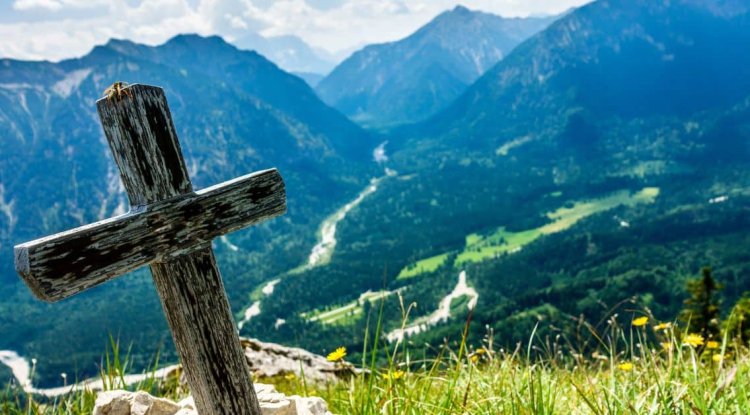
(662, 326)
(337, 355)
(693, 340)
(627, 366)
(666, 345)
(395, 375)
(717, 358)
(712, 344)
(640, 321)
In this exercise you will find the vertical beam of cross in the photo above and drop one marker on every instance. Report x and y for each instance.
(144, 144)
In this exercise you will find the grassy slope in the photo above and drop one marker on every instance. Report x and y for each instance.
(633, 370)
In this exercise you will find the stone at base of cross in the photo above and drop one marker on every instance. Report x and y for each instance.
(121, 402)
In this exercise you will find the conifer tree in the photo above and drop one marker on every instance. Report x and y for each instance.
(701, 311)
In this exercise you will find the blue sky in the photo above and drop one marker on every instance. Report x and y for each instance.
(59, 29)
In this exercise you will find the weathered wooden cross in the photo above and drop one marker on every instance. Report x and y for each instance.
(170, 228)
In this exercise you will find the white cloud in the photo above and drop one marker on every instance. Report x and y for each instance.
(41, 30)
(37, 4)
(55, 5)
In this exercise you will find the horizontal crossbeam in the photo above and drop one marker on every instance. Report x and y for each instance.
(61, 265)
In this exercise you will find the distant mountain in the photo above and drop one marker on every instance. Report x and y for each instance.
(235, 113)
(291, 53)
(312, 79)
(413, 78)
(611, 59)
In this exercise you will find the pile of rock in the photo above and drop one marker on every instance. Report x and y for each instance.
(266, 360)
(272, 402)
(271, 359)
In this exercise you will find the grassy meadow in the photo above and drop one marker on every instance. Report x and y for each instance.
(635, 366)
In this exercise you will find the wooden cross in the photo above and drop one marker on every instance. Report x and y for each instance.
(170, 228)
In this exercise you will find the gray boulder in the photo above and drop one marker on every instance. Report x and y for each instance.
(271, 359)
(272, 402)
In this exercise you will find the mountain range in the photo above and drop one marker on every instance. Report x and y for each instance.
(235, 112)
(591, 171)
(415, 77)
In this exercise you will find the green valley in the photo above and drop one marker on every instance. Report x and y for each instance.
(482, 247)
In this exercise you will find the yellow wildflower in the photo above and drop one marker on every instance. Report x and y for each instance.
(712, 344)
(662, 326)
(717, 358)
(640, 321)
(693, 339)
(627, 366)
(395, 375)
(337, 355)
(666, 345)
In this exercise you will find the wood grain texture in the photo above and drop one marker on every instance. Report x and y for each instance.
(142, 137)
(171, 228)
(62, 265)
(202, 323)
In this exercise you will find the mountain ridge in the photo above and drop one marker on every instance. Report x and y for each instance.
(411, 78)
(235, 112)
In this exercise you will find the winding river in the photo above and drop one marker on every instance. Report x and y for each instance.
(323, 250)
(443, 312)
(23, 372)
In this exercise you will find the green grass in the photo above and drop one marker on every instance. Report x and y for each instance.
(622, 370)
(627, 371)
(113, 368)
(430, 264)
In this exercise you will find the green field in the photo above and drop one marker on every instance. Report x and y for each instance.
(480, 247)
(425, 265)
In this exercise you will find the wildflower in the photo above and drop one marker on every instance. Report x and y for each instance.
(337, 355)
(666, 345)
(640, 321)
(627, 366)
(662, 326)
(693, 340)
(712, 344)
(718, 358)
(395, 375)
